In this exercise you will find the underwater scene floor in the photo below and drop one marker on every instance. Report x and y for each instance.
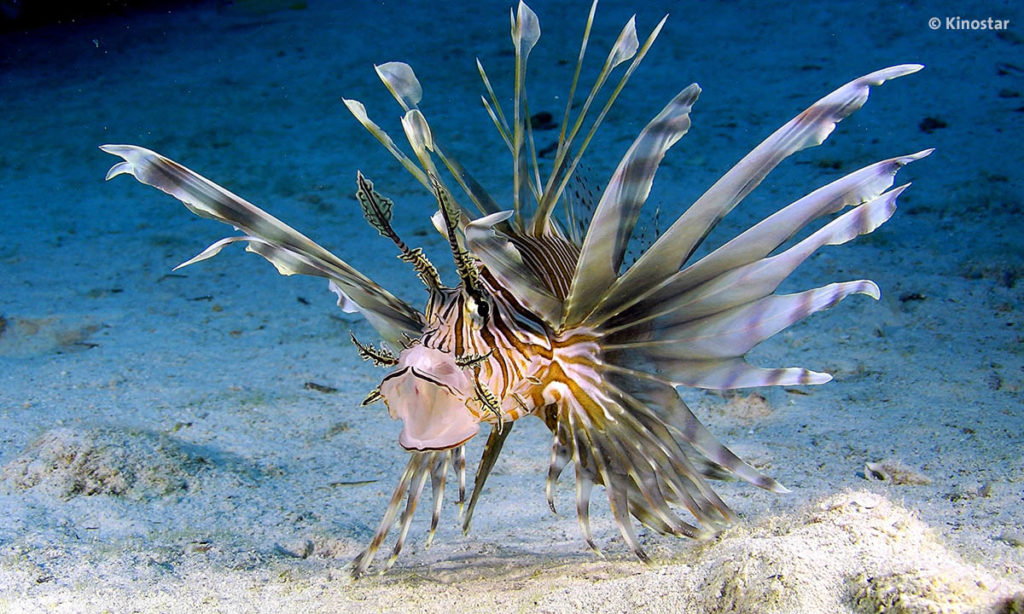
(193, 440)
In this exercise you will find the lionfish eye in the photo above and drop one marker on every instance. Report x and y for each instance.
(478, 306)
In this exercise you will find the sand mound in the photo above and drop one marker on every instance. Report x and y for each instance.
(69, 462)
(849, 553)
(854, 552)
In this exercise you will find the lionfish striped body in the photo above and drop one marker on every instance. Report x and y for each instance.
(547, 323)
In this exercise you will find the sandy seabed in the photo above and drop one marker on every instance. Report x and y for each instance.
(162, 450)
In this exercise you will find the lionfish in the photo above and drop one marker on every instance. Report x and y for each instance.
(547, 321)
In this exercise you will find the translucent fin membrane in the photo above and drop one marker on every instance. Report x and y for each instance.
(288, 250)
(674, 247)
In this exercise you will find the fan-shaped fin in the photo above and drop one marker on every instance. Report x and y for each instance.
(289, 250)
(757, 242)
(415, 466)
(733, 373)
(810, 128)
(643, 396)
(734, 332)
(644, 471)
(753, 281)
(438, 478)
(561, 454)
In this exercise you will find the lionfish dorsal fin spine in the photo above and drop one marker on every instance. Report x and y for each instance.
(494, 107)
(576, 75)
(401, 81)
(626, 46)
(358, 110)
(525, 33)
(417, 132)
(552, 190)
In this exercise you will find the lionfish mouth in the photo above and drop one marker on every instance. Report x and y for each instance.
(547, 318)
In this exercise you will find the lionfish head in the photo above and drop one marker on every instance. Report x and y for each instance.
(428, 391)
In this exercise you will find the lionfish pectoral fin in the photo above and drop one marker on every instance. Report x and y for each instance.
(734, 262)
(666, 403)
(438, 478)
(561, 454)
(584, 486)
(634, 436)
(674, 247)
(735, 331)
(735, 373)
(857, 188)
(434, 464)
(289, 251)
(679, 300)
(362, 562)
